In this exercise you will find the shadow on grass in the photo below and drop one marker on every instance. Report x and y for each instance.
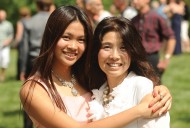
(185, 119)
(12, 113)
(11, 78)
(11, 118)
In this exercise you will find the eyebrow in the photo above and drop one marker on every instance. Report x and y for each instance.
(68, 33)
(106, 43)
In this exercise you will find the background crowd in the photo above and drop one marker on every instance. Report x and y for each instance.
(165, 35)
(167, 21)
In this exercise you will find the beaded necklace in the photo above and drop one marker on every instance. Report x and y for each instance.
(107, 97)
(69, 84)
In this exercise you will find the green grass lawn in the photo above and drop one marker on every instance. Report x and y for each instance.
(177, 78)
(10, 114)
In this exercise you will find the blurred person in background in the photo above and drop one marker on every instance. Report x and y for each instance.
(96, 8)
(113, 10)
(185, 41)
(125, 8)
(80, 4)
(162, 9)
(99, 11)
(154, 29)
(6, 37)
(33, 32)
(24, 15)
(52, 8)
(175, 12)
(155, 4)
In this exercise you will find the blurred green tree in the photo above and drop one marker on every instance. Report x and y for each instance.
(12, 6)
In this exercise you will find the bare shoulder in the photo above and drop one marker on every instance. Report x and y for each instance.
(24, 91)
(40, 107)
(31, 90)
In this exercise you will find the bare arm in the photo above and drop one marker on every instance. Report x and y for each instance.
(170, 48)
(163, 64)
(40, 107)
(19, 32)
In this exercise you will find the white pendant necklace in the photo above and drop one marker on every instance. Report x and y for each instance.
(69, 84)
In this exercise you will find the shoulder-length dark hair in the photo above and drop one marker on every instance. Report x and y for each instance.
(57, 23)
(133, 45)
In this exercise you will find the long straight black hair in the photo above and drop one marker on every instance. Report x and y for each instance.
(57, 23)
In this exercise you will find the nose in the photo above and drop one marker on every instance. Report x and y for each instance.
(72, 45)
(115, 54)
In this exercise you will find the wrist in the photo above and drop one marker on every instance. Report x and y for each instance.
(167, 56)
(139, 112)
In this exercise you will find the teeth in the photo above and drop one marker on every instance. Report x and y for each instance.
(70, 54)
(114, 65)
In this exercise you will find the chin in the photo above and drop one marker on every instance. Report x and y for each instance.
(68, 64)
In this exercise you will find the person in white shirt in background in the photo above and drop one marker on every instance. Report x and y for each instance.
(96, 7)
(125, 8)
(6, 37)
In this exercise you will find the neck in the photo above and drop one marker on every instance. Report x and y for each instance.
(64, 73)
(145, 9)
(71, 83)
(115, 81)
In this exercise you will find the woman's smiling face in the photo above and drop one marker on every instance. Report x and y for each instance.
(113, 58)
(71, 45)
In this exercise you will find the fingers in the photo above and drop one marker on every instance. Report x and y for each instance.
(160, 89)
(159, 97)
(153, 102)
(165, 108)
(90, 119)
(164, 104)
(162, 101)
(155, 95)
(93, 97)
(90, 116)
(167, 102)
(155, 91)
(159, 93)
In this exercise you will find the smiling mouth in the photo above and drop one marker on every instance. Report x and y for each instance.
(70, 55)
(114, 64)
